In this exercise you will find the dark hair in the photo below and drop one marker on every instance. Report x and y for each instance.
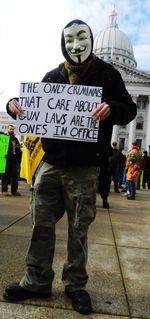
(135, 143)
(145, 152)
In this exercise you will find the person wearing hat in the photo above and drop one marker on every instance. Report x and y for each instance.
(132, 173)
(67, 179)
(137, 154)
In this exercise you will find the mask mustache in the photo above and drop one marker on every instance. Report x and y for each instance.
(77, 51)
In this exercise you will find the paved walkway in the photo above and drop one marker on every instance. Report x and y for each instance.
(118, 267)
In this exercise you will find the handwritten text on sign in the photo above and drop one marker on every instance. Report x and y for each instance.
(60, 111)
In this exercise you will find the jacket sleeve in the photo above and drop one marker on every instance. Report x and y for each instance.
(123, 109)
(135, 173)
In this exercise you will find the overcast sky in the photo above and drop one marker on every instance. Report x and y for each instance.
(30, 32)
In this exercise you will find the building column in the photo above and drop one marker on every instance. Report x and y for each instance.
(132, 127)
(131, 136)
(115, 134)
(147, 138)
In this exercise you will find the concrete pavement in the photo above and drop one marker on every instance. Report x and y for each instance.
(118, 265)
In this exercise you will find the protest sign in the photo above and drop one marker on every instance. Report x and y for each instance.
(4, 144)
(60, 111)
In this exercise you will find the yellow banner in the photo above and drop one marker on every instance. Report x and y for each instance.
(31, 157)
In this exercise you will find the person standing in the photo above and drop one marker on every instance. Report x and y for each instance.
(11, 173)
(117, 165)
(145, 166)
(132, 173)
(67, 179)
(136, 153)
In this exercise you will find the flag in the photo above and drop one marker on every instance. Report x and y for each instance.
(32, 155)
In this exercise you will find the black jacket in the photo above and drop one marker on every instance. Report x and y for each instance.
(123, 110)
(12, 154)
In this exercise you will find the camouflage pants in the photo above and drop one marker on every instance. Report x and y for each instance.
(55, 191)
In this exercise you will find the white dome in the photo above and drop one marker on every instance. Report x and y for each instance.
(113, 44)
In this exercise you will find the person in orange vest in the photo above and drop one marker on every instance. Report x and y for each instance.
(132, 173)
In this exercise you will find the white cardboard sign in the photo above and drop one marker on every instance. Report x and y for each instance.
(60, 111)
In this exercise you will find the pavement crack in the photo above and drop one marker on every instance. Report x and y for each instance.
(15, 222)
(119, 263)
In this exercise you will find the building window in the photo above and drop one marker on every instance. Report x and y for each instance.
(5, 127)
(121, 143)
(123, 126)
(139, 123)
(139, 142)
(141, 104)
(138, 105)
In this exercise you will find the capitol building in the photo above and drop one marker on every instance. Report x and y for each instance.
(112, 45)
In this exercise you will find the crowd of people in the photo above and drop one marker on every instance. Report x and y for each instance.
(141, 163)
(127, 172)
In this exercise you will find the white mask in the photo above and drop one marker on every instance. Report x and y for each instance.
(78, 42)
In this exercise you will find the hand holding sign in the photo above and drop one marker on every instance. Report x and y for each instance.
(101, 112)
(15, 108)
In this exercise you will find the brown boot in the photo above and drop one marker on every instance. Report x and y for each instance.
(5, 194)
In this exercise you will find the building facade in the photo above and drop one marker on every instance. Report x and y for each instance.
(113, 46)
(5, 121)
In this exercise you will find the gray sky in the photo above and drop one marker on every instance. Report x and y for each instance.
(30, 32)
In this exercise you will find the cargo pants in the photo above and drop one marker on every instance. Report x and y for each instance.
(56, 191)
